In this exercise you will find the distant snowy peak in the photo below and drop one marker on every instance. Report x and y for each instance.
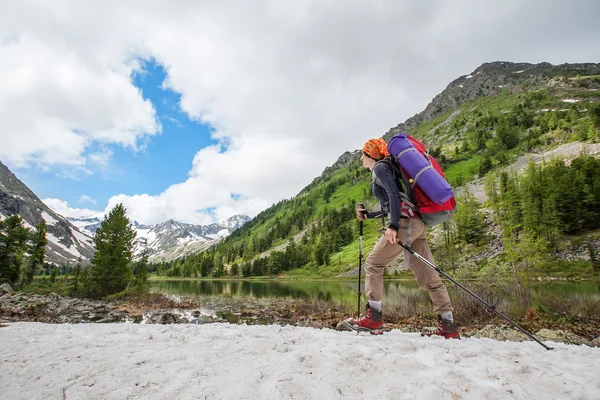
(236, 222)
(87, 224)
(173, 239)
(170, 239)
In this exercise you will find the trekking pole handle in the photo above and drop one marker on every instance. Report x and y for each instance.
(361, 206)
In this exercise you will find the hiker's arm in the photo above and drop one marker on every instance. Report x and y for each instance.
(386, 176)
(375, 214)
(369, 214)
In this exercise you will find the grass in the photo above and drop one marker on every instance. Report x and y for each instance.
(463, 170)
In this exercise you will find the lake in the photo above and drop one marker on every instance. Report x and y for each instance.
(395, 291)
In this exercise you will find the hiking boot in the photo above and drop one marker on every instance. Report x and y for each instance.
(447, 329)
(370, 320)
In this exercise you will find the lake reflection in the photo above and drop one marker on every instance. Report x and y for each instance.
(395, 291)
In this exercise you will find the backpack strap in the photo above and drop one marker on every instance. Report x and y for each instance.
(408, 206)
(430, 166)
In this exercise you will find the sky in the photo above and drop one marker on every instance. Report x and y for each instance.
(119, 361)
(200, 110)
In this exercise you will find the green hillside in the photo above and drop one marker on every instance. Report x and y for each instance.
(316, 233)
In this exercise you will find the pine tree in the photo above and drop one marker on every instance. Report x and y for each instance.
(13, 243)
(470, 222)
(141, 272)
(37, 251)
(594, 111)
(74, 287)
(110, 270)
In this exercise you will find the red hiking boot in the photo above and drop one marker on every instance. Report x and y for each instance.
(447, 329)
(370, 321)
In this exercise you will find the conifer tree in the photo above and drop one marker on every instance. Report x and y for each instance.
(234, 269)
(594, 111)
(13, 243)
(141, 272)
(470, 222)
(37, 251)
(74, 287)
(110, 270)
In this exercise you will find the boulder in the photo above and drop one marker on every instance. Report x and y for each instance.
(562, 337)
(503, 333)
(5, 288)
(166, 318)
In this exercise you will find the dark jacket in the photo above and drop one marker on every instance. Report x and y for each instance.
(387, 191)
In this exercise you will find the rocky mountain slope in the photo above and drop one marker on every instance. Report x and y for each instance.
(66, 243)
(490, 79)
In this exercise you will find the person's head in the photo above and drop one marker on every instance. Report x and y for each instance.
(373, 151)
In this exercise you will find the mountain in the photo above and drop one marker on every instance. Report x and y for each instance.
(488, 80)
(491, 79)
(66, 243)
(86, 224)
(171, 239)
(484, 123)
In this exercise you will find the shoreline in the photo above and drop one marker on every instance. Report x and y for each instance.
(169, 309)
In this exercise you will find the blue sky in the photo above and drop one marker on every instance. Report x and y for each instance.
(160, 161)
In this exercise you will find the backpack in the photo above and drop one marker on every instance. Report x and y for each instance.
(427, 190)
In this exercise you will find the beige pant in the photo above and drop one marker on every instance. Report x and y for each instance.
(384, 253)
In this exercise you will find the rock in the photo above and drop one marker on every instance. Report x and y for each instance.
(54, 309)
(5, 288)
(136, 318)
(503, 333)
(109, 319)
(204, 319)
(562, 336)
(196, 313)
(344, 325)
(595, 342)
(165, 318)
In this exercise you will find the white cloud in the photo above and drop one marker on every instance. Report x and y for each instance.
(288, 87)
(57, 97)
(100, 158)
(84, 198)
(63, 208)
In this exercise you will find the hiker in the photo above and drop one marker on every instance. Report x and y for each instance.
(386, 189)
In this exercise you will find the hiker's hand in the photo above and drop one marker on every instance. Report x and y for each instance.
(390, 235)
(361, 213)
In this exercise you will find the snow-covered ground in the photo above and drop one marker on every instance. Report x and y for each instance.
(222, 361)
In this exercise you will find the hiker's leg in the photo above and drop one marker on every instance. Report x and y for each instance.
(426, 276)
(382, 254)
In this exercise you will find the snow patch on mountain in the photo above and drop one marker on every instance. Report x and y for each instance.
(49, 219)
(56, 242)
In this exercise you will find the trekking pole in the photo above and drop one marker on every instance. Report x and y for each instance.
(490, 307)
(361, 206)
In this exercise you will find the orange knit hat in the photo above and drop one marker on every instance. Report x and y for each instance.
(376, 148)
